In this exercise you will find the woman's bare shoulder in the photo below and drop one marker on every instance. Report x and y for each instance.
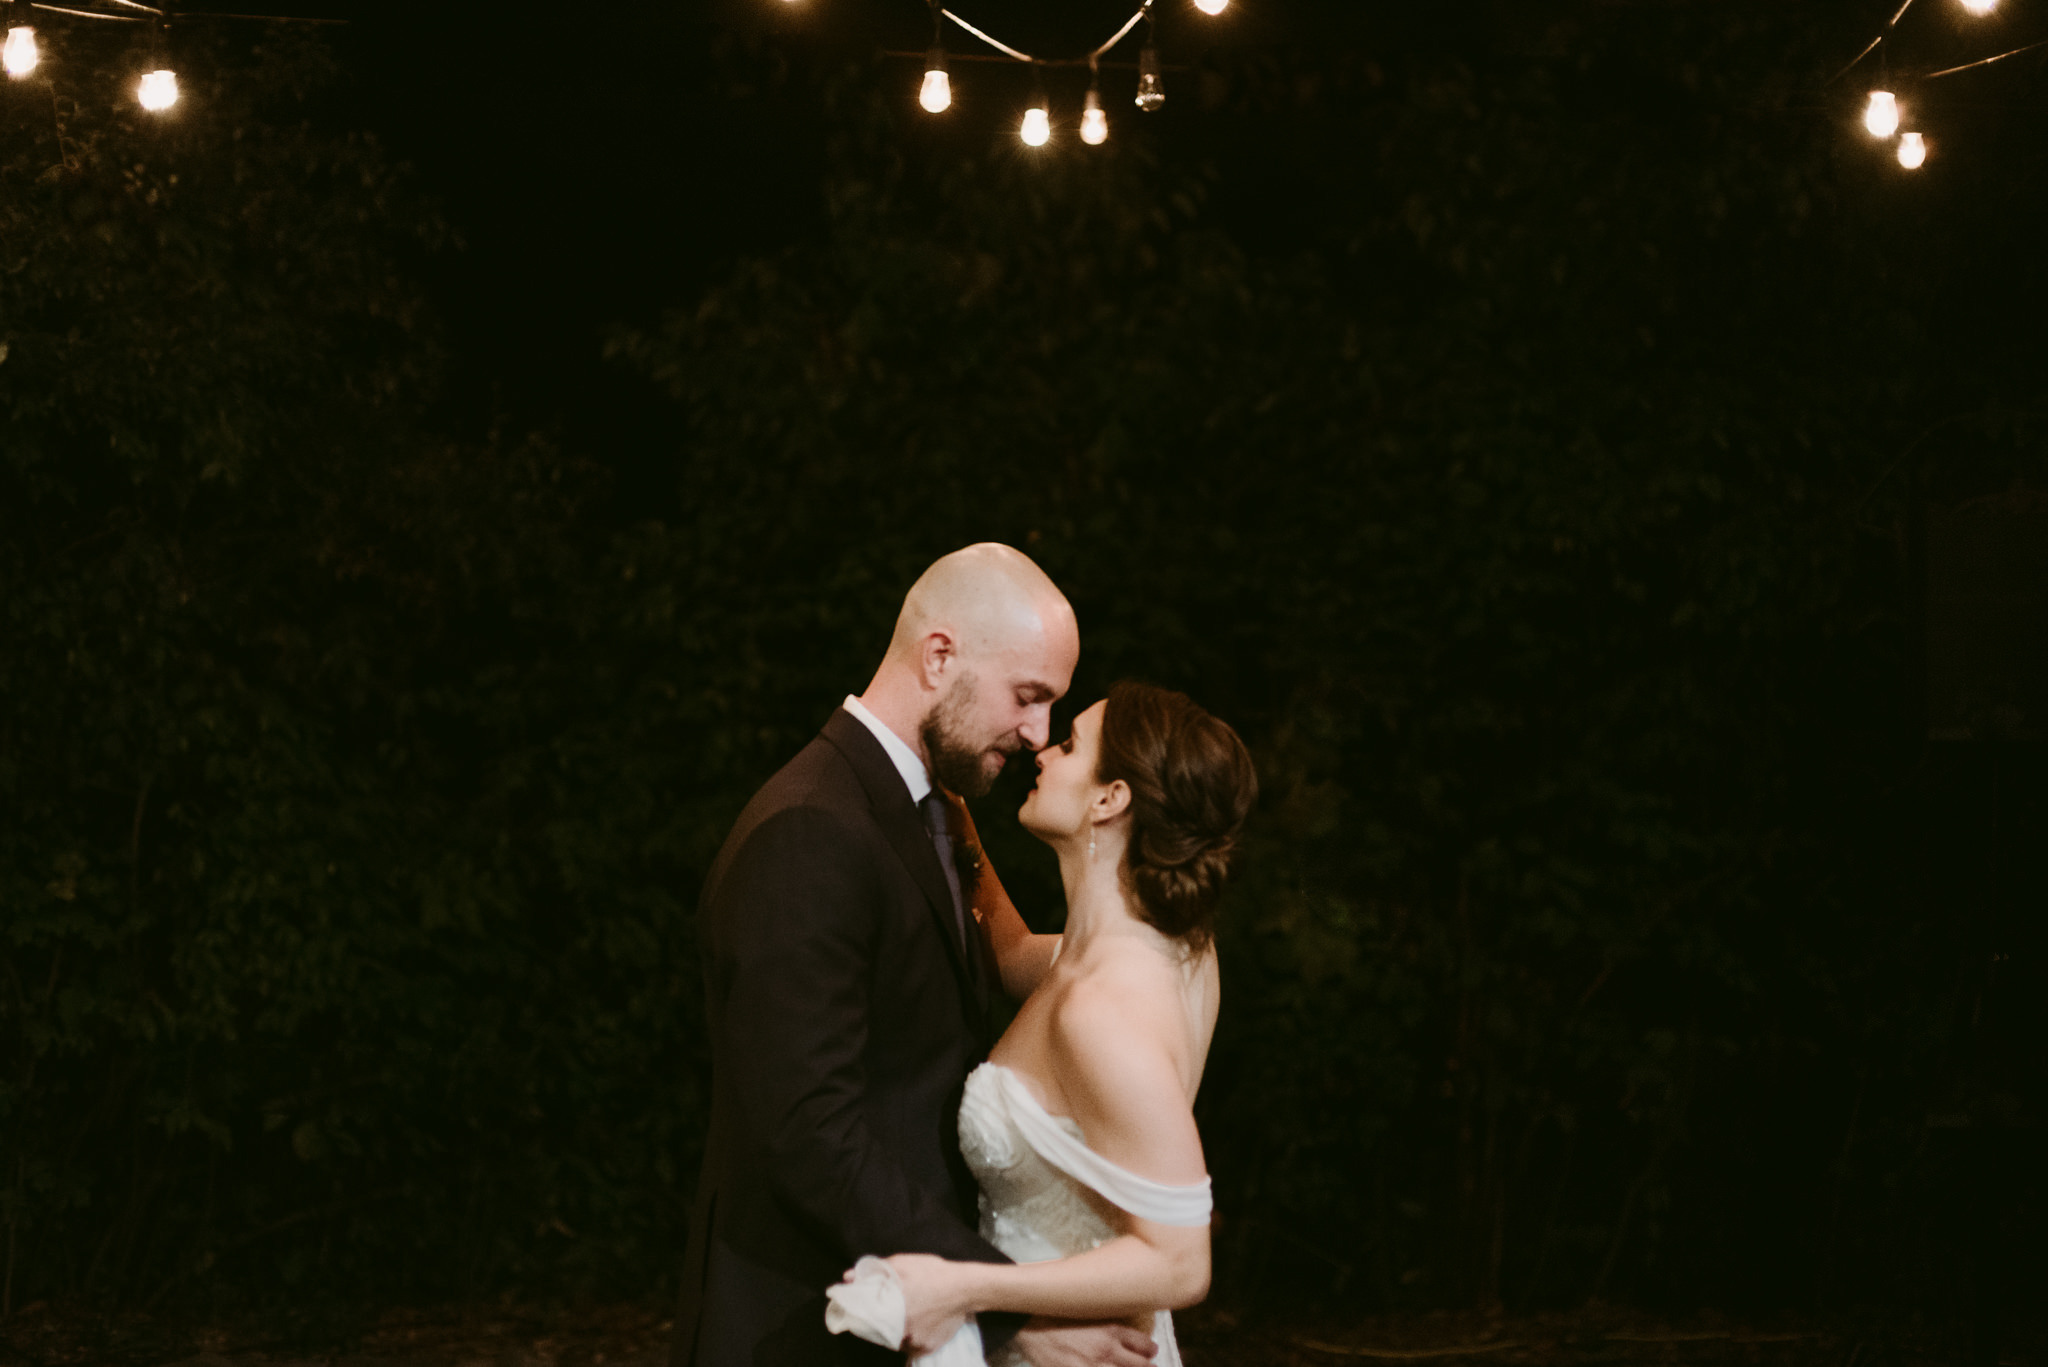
(1127, 996)
(1118, 1037)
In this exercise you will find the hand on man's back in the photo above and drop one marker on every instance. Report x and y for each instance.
(1065, 1343)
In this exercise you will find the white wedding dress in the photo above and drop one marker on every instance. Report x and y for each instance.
(1046, 1194)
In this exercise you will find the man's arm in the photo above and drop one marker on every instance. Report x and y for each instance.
(796, 932)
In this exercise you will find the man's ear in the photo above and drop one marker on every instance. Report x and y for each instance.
(936, 656)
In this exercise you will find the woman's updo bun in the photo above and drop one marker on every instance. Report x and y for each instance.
(1192, 786)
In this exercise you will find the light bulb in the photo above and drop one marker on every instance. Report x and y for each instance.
(1218, 6)
(1980, 6)
(159, 90)
(1151, 89)
(1037, 129)
(1881, 116)
(1912, 150)
(19, 56)
(1094, 123)
(937, 95)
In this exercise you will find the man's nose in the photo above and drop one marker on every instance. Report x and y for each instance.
(1035, 730)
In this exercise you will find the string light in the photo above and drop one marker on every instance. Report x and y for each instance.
(1037, 128)
(1094, 122)
(937, 94)
(19, 55)
(1881, 115)
(159, 88)
(1151, 88)
(158, 91)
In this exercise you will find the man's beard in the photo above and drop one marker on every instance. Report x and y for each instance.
(956, 763)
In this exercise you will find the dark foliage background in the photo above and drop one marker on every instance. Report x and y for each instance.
(1544, 498)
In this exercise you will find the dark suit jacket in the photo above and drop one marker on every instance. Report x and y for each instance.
(844, 1018)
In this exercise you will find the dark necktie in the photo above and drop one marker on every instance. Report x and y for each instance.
(938, 819)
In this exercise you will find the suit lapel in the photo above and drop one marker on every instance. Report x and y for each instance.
(904, 829)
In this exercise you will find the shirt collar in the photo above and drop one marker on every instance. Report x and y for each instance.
(902, 756)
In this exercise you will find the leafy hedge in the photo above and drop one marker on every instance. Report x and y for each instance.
(1521, 518)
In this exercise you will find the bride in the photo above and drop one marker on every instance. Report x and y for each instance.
(1080, 1128)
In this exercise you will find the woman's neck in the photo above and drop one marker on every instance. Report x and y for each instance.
(1097, 903)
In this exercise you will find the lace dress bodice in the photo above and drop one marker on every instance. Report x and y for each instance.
(1046, 1194)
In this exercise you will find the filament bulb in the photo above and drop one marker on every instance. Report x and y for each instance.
(1980, 6)
(19, 55)
(1094, 122)
(937, 95)
(1912, 150)
(159, 90)
(1151, 89)
(1037, 129)
(1218, 6)
(1881, 116)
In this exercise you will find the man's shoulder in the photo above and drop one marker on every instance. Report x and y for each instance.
(812, 814)
(815, 784)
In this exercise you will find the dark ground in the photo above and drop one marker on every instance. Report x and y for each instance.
(636, 1336)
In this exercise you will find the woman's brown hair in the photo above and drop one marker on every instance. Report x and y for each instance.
(1192, 786)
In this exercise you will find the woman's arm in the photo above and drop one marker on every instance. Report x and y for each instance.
(1110, 1044)
(1022, 958)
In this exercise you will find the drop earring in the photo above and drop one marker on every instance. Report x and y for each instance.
(1091, 847)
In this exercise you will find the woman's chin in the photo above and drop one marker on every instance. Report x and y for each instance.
(1025, 816)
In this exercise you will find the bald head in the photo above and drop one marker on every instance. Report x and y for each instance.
(988, 598)
(983, 648)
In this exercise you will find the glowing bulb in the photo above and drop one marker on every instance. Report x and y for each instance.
(1037, 129)
(1218, 6)
(159, 90)
(1980, 6)
(1912, 150)
(19, 56)
(1151, 89)
(1094, 123)
(1881, 117)
(937, 95)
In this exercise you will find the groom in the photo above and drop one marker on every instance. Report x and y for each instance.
(848, 986)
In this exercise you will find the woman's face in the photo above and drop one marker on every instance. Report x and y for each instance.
(1063, 800)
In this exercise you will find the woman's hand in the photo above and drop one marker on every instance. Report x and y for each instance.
(935, 1299)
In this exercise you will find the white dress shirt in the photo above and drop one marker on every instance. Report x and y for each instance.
(902, 756)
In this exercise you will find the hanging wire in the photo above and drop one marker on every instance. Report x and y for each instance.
(1882, 34)
(1143, 11)
(1018, 54)
(91, 14)
(145, 13)
(995, 43)
(1986, 61)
